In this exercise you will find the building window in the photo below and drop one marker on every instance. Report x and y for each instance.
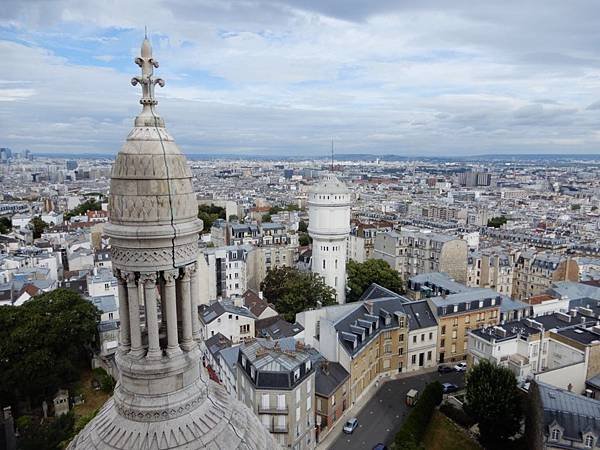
(414, 339)
(443, 329)
(413, 359)
(589, 441)
(308, 403)
(429, 355)
(244, 329)
(430, 336)
(323, 264)
(401, 351)
(387, 348)
(297, 396)
(401, 338)
(443, 343)
(296, 374)
(467, 319)
(555, 434)
(454, 334)
(453, 348)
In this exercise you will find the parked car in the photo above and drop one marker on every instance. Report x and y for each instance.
(461, 367)
(445, 369)
(351, 425)
(449, 387)
(380, 447)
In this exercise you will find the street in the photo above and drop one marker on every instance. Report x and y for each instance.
(382, 416)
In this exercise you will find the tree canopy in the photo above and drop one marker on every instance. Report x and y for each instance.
(292, 291)
(43, 342)
(362, 275)
(496, 222)
(89, 205)
(38, 226)
(493, 399)
(209, 214)
(5, 225)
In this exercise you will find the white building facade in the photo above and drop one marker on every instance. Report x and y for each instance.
(329, 226)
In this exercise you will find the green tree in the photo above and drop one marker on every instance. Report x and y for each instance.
(265, 218)
(302, 227)
(233, 218)
(575, 207)
(5, 225)
(362, 275)
(496, 222)
(209, 214)
(493, 399)
(89, 205)
(36, 434)
(38, 226)
(303, 239)
(292, 291)
(44, 344)
(274, 210)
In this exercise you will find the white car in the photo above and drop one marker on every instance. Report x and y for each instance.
(461, 367)
(350, 425)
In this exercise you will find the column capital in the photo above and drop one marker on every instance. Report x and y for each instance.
(148, 279)
(188, 272)
(170, 276)
(129, 277)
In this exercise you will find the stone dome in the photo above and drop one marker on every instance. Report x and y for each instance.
(329, 184)
(164, 398)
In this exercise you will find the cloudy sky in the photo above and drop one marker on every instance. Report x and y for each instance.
(285, 77)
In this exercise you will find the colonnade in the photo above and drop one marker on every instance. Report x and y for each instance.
(178, 291)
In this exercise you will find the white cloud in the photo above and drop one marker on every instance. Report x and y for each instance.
(271, 75)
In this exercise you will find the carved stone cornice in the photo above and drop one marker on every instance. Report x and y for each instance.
(148, 279)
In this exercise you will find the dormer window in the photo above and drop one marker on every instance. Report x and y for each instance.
(252, 372)
(243, 361)
(555, 435)
(589, 441)
(296, 374)
(308, 365)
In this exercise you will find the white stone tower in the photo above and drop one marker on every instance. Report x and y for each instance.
(329, 226)
(163, 398)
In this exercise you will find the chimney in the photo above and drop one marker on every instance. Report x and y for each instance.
(260, 295)
(369, 306)
(237, 301)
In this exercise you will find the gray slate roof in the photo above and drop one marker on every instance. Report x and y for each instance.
(575, 413)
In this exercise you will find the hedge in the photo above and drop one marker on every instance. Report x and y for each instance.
(457, 415)
(413, 429)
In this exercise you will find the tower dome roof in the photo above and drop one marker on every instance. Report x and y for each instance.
(164, 398)
(330, 184)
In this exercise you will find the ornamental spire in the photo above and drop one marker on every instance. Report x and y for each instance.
(147, 80)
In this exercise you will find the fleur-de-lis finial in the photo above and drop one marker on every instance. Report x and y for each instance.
(147, 80)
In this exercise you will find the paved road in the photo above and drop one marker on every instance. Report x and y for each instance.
(381, 417)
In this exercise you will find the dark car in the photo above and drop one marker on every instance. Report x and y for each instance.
(445, 369)
(449, 387)
(380, 447)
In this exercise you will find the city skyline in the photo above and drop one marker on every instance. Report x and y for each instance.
(284, 78)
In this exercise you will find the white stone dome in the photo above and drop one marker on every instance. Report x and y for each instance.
(329, 184)
(164, 398)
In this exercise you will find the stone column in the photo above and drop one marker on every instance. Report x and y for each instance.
(195, 294)
(186, 309)
(171, 301)
(124, 342)
(149, 282)
(163, 302)
(134, 315)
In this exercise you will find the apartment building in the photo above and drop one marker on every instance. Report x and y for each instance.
(491, 268)
(413, 252)
(229, 317)
(535, 272)
(361, 242)
(457, 314)
(562, 349)
(276, 379)
(377, 337)
(332, 387)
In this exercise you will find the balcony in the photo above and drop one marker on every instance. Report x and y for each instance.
(272, 410)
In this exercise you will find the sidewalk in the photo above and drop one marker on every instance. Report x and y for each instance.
(360, 403)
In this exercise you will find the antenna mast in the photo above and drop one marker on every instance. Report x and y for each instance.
(332, 155)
